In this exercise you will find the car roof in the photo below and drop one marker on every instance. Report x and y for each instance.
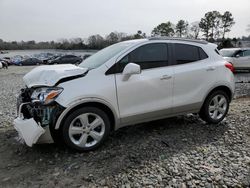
(134, 41)
(179, 39)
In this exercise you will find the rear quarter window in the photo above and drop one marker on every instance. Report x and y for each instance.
(185, 53)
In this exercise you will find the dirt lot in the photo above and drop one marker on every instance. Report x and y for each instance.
(178, 152)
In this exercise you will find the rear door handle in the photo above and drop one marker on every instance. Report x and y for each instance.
(210, 68)
(166, 77)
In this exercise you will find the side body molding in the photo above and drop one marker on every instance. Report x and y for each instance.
(83, 101)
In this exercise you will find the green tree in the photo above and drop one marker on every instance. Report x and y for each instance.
(139, 35)
(205, 26)
(164, 29)
(234, 40)
(227, 43)
(181, 28)
(227, 21)
(210, 24)
(215, 24)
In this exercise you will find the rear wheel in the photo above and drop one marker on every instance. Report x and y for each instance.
(86, 129)
(215, 107)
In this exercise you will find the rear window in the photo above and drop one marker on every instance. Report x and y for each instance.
(185, 53)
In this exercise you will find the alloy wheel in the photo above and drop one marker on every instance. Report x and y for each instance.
(218, 107)
(86, 130)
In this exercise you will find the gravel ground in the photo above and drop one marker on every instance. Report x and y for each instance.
(179, 152)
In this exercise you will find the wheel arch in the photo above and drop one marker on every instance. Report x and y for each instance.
(224, 88)
(93, 103)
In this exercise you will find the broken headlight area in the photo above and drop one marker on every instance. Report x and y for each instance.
(46, 95)
(36, 114)
(39, 104)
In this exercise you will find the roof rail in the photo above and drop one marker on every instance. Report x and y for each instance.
(180, 39)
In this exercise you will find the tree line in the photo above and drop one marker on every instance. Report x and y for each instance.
(213, 27)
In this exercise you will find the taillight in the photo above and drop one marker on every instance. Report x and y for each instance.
(230, 66)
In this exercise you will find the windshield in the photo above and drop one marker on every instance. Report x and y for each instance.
(104, 55)
(228, 53)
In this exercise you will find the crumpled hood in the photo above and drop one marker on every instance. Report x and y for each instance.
(49, 75)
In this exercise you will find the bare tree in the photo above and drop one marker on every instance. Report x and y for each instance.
(112, 38)
(96, 42)
(194, 30)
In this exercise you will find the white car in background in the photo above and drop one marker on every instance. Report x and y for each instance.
(124, 84)
(239, 57)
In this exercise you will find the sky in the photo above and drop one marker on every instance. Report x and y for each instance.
(44, 20)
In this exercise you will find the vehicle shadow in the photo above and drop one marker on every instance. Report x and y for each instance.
(126, 148)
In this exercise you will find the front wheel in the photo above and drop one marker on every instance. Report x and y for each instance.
(86, 129)
(215, 107)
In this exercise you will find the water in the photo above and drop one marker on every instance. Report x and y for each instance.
(12, 53)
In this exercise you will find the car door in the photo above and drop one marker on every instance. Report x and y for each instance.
(193, 76)
(242, 59)
(147, 95)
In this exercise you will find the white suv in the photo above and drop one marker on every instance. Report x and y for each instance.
(126, 83)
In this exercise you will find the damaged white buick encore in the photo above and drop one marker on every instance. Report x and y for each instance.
(126, 83)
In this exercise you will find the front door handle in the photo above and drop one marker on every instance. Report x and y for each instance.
(166, 77)
(210, 68)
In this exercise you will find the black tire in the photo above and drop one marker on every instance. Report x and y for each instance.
(204, 112)
(67, 123)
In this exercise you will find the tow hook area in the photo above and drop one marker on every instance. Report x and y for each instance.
(28, 129)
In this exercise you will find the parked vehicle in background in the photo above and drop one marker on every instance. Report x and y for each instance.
(7, 60)
(44, 57)
(30, 61)
(127, 83)
(1, 65)
(66, 59)
(4, 63)
(16, 60)
(55, 56)
(239, 57)
(3, 52)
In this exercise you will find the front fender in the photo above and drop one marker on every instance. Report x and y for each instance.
(83, 101)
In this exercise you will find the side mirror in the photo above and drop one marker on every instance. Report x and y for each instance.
(237, 56)
(131, 69)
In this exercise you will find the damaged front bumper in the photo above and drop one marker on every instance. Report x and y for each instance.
(28, 129)
(31, 131)
(34, 120)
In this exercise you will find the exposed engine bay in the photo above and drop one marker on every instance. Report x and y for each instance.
(43, 114)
